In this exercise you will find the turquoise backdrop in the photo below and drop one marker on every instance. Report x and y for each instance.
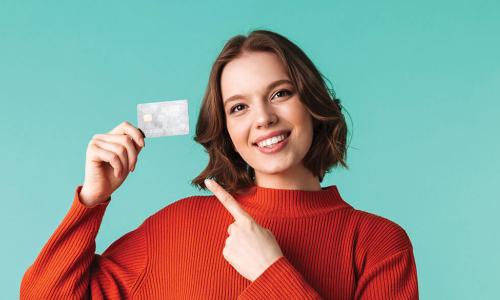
(420, 81)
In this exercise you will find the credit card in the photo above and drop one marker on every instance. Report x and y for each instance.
(163, 118)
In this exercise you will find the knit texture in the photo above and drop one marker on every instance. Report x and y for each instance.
(331, 251)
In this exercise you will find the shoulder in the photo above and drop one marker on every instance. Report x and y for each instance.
(184, 209)
(377, 237)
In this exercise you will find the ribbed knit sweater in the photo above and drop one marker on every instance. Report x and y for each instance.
(331, 251)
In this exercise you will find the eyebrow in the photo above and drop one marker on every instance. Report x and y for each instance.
(269, 87)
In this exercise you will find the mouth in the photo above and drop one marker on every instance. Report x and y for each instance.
(287, 134)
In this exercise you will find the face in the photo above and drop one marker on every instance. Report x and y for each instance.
(259, 99)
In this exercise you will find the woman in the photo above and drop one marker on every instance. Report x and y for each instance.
(272, 130)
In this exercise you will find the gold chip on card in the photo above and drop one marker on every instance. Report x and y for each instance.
(147, 117)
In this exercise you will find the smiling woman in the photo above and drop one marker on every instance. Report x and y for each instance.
(270, 231)
(262, 86)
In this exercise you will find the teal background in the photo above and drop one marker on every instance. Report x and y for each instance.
(419, 80)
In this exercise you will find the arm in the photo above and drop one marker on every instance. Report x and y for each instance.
(280, 281)
(68, 268)
(395, 277)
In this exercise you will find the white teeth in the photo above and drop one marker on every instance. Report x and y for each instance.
(272, 141)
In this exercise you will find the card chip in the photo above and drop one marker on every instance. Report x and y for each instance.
(148, 118)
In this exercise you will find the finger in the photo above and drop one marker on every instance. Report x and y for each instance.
(123, 139)
(142, 132)
(131, 130)
(99, 154)
(229, 228)
(117, 149)
(228, 201)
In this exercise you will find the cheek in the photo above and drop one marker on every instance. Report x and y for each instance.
(302, 120)
(300, 117)
(238, 133)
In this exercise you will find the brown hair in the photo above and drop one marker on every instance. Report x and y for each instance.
(328, 147)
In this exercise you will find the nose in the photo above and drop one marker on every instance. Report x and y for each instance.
(265, 116)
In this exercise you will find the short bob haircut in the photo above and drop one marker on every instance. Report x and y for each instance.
(225, 165)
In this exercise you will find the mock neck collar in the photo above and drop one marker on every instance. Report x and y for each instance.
(272, 202)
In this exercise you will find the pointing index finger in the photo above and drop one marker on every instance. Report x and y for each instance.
(227, 200)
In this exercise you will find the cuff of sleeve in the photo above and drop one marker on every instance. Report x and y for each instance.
(279, 281)
(78, 202)
(79, 211)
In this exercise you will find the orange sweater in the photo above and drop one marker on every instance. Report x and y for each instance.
(331, 251)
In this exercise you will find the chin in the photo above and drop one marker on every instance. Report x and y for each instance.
(272, 169)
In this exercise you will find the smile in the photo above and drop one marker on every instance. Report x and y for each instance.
(274, 144)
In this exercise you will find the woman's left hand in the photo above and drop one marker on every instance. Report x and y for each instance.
(250, 248)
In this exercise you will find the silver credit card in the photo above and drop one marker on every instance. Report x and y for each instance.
(164, 118)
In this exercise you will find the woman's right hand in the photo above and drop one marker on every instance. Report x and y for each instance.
(110, 157)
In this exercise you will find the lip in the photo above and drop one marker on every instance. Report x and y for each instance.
(270, 135)
(277, 147)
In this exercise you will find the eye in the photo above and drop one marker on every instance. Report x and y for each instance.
(232, 110)
(281, 91)
(240, 105)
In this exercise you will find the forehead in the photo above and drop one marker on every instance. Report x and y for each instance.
(251, 72)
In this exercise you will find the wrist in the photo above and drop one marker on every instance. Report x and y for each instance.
(91, 200)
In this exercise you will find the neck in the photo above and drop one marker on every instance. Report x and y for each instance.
(289, 203)
(297, 178)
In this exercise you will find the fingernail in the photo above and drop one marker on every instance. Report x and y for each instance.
(207, 182)
(143, 135)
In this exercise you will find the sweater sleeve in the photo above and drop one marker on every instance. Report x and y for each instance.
(388, 269)
(279, 281)
(68, 268)
(395, 277)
